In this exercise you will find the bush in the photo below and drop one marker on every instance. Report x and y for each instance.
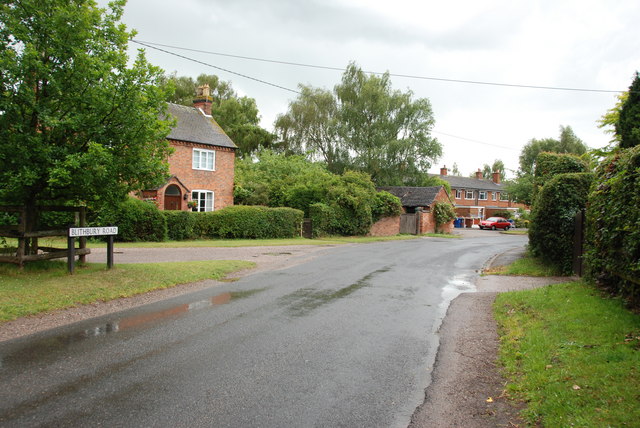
(505, 214)
(443, 212)
(552, 227)
(612, 255)
(136, 220)
(322, 219)
(251, 222)
(180, 225)
(385, 205)
(548, 165)
(521, 222)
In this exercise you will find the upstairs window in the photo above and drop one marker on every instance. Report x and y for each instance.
(458, 193)
(482, 195)
(468, 194)
(494, 196)
(504, 196)
(204, 159)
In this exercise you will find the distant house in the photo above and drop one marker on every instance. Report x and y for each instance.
(476, 198)
(417, 204)
(202, 165)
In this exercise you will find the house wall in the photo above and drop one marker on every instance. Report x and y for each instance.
(387, 226)
(219, 181)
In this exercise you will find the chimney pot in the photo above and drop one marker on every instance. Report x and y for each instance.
(479, 174)
(203, 99)
(496, 177)
(443, 170)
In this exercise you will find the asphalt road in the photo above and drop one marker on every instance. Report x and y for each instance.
(347, 339)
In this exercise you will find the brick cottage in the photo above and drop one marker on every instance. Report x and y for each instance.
(202, 165)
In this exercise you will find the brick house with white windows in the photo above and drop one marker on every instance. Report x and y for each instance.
(202, 164)
(476, 199)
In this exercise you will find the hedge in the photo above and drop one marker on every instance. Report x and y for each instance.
(612, 255)
(322, 219)
(552, 219)
(136, 220)
(548, 165)
(235, 222)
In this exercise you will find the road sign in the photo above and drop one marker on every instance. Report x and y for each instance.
(76, 232)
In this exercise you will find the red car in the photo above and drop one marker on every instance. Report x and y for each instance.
(495, 223)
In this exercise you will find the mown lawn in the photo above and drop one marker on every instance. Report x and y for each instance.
(46, 286)
(571, 355)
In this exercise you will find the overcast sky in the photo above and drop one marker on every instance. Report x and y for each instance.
(554, 43)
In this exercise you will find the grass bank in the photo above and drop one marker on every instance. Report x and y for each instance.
(526, 266)
(571, 355)
(62, 242)
(46, 286)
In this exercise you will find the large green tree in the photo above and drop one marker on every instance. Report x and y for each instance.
(364, 125)
(78, 123)
(628, 124)
(238, 116)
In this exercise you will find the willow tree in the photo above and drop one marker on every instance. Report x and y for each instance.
(78, 122)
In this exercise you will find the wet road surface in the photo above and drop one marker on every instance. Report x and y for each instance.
(347, 339)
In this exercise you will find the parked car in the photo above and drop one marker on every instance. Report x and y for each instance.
(495, 223)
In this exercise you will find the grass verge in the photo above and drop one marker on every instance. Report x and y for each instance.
(442, 235)
(526, 266)
(46, 286)
(62, 243)
(572, 355)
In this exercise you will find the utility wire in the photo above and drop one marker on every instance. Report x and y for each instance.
(473, 141)
(323, 67)
(216, 67)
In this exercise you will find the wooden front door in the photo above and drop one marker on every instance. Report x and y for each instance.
(172, 198)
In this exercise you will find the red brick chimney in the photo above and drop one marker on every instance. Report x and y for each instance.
(496, 177)
(443, 170)
(203, 99)
(479, 174)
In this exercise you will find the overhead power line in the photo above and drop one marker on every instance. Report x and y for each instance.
(216, 67)
(323, 67)
(474, 141)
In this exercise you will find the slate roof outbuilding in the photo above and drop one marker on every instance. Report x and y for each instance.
(414, 196)
(194, 127)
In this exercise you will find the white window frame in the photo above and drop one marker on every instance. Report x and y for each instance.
(204, 159)
(504, 196)
(205, 200)
(458, 193)
(466, 194)
(482, 195)
(494, 196)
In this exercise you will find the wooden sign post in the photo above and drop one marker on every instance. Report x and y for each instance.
(80, 232)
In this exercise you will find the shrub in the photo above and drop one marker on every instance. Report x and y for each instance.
(548, 165)
(136, 220)
(443, 213)
(180, 225)
(552, 227)
(322, 219)
(612, 255)
(385, 205)
(247, 222)
(505, 214)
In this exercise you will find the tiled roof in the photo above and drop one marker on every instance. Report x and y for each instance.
(470, 183)
(414, 196)
(193, 126)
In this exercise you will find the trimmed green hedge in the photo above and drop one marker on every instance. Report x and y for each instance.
(548, 165)
(552, 219)
(235, 222)
(613, 226)
(136, 220)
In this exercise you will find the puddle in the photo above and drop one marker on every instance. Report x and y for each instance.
(305, 300)
(47, 346)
